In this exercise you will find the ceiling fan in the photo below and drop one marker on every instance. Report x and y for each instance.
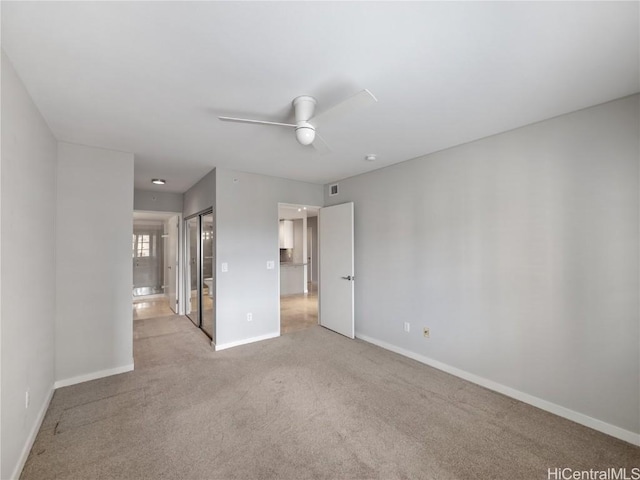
(304, 108)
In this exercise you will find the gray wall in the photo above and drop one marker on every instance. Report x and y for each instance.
(27, 271)
(93, 242)
(247, 237)
(201, 196)
(520, 252)
(153, 201)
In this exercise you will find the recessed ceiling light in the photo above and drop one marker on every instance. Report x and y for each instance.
(158, 181)
(371, 157)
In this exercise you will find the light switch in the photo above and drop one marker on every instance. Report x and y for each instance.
(271, 265)
(225, 267)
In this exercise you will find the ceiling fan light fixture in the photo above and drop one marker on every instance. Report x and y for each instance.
(305, 133)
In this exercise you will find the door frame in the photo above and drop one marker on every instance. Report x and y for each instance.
(177, 261)
(277, 243)
(179, 273)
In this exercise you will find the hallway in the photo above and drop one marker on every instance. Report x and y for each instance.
(151, 307)
(298, 312)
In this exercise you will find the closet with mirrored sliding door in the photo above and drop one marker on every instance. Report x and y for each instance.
(200, 271)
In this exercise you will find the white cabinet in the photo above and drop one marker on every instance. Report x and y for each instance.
(291, 279)
(286, 233)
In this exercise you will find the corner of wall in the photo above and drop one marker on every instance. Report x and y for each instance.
(24, 454)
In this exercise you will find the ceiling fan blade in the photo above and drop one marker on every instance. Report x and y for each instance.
(259, 122)
(360, 99)
(321, 145)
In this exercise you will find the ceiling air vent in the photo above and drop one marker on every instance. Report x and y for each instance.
(333, 189)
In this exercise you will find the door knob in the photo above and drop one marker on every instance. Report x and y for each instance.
(349, 277)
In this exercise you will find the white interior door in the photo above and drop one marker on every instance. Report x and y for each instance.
(172, 262)
(336, 268)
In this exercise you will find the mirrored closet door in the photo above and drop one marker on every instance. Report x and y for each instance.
(200, 274)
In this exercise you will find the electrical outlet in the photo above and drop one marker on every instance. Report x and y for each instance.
(271, 264)
(425, 332)
(27, 399)
(407, 327)
(249, 317)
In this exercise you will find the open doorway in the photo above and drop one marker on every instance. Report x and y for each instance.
(298, 237)
(155, 263)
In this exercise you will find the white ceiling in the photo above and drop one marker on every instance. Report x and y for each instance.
(150, 77)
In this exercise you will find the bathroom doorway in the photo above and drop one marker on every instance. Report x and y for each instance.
(298, 230)
(200, 272)
(155, 263)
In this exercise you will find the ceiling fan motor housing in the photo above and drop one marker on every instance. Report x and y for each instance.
(304, 106)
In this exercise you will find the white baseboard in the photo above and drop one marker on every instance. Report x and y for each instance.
(24, 454)
(93, 376)
(582, 419)
(224, 346)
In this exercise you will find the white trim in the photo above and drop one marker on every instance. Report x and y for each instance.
(582, 419)
(93, 376)
(224, 346)
(24, 455)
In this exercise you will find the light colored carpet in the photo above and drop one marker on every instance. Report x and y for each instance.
(307, 405)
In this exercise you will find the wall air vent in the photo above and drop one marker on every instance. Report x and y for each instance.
(333, 189)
